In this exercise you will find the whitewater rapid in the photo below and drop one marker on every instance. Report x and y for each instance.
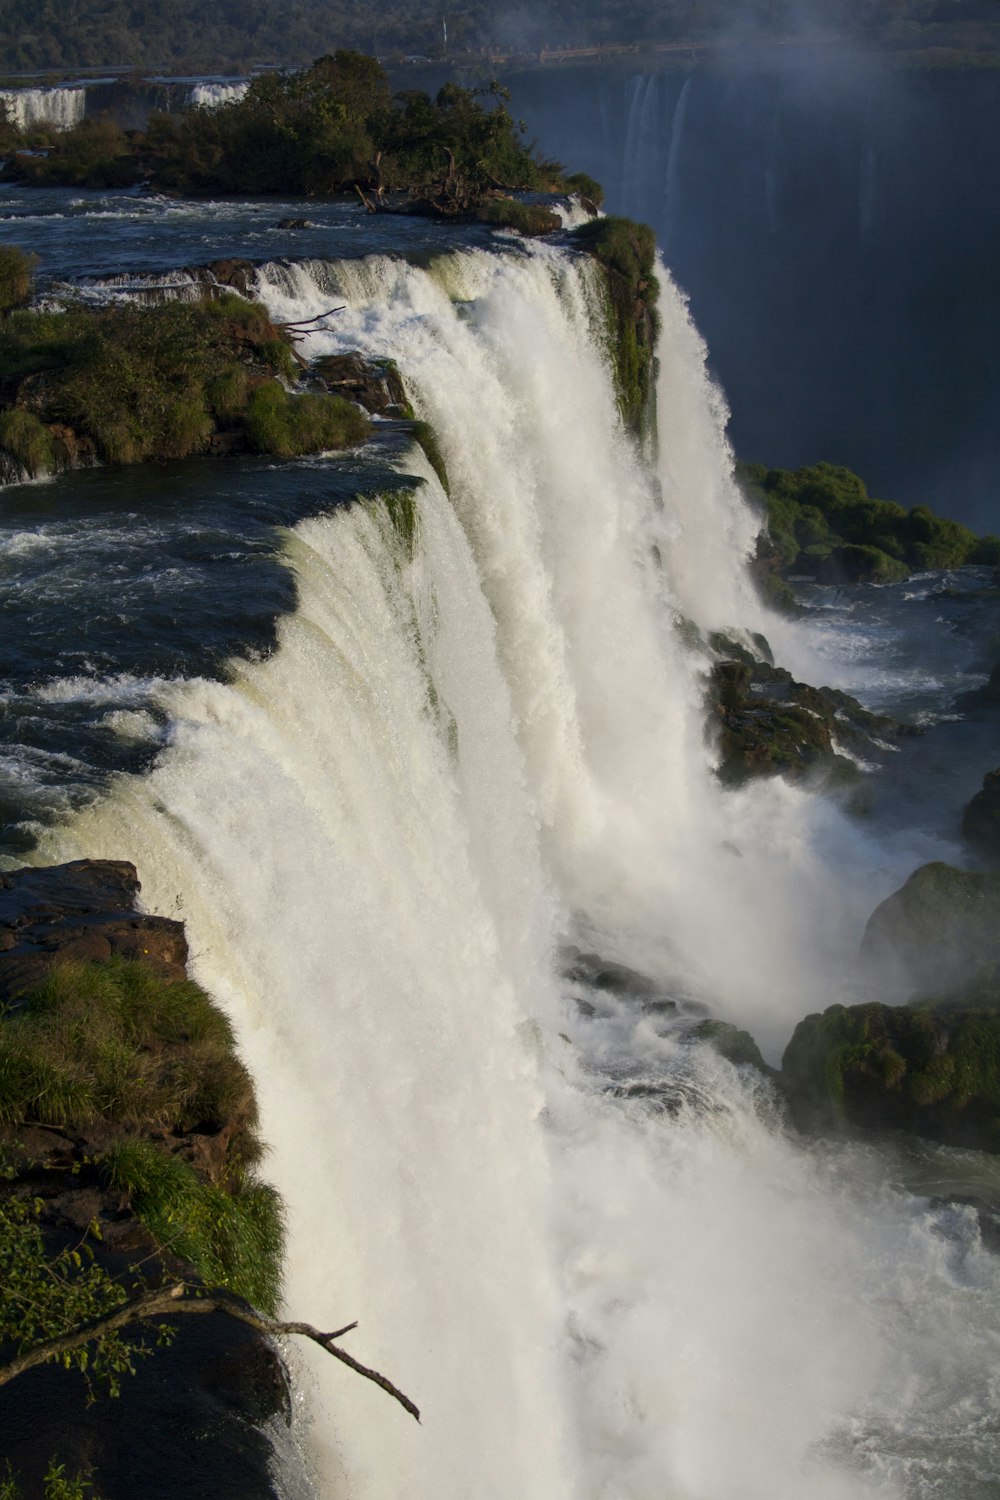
(585, 1246)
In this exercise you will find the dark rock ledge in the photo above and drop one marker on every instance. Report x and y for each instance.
(191, 1421)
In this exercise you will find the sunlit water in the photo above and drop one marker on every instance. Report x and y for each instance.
(387, 783)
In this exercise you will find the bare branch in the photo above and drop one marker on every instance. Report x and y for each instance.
(171, 1301)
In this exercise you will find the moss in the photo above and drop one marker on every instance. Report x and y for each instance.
(427, 438)
(737, 1047)
(401, 507)
(527, 218)
(28, 441)
(627, 253)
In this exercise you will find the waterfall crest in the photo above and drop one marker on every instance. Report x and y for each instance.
(582, 1243)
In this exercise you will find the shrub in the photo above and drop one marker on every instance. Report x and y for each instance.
(16, 268)
(588, 189)
(290, 425)
(28, 441)
(527, 218)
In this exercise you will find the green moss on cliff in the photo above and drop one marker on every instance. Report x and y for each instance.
(627, 254)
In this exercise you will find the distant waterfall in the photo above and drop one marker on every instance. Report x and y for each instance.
(60, 107)
(579, 1239)
(211, 95)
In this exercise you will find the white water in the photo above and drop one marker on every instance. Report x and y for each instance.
(588, 1297)
(61, 107)
(211, 95)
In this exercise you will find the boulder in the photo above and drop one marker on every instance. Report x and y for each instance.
(981, 819)
(937, 931)
(374, 384)
(932, 1069)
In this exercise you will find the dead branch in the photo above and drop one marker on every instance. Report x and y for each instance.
(174, 1300)
(304, 322)
(371, 207)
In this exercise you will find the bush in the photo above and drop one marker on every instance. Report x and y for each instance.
(527, 218)
(588, 189)
(291, 425)
(28, 441)
(16, 268)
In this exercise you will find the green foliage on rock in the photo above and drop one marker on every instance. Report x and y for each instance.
(428, 440)
(627, 253)
(232, 1239)
(136, 383)
(113, 1042)
(527, 218)
(932, 1068)
(938, 930)
(16, 267)
(822, 523)
(291, 425)
(587, 188)
(44, 1295)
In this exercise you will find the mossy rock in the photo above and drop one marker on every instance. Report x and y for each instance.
(932, 1069)
(937, 931)
(532, 219)
(981, 819)
(736, 1046)
(626, 252)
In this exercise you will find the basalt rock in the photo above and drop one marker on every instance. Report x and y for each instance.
(196, 1416)
(375, 385)
(981, 819)
(82, 910)
(939, 930)
(770, 724)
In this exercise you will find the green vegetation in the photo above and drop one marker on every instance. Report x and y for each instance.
(823, 524)
(933, 1067)
(425, 435)
(587, 188)
(232, 1239)
(185, 35)
(15, 276)
(627, 253)
(115, 1043)
(317, 131)
(56, 1485)
(289, 425)
(527, 218)
(129, 383)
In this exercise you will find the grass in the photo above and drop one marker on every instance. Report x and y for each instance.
(113, 1042)
(287, 426)
(232, 1239)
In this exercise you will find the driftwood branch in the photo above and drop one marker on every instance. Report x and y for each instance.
(372, 209)
(304, 322)
(171, 1301)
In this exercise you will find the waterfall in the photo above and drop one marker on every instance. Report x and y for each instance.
(60, 107)
(583, 1244)
(670, 187)
(211, 95)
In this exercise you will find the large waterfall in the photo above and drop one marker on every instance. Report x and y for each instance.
(59, 107)
(582, 1243)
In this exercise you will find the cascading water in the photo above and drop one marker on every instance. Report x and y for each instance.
(580, 1241)
(60, 107)
(211, 95)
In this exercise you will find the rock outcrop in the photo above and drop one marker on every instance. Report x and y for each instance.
(937, 932)
(110, 1056)
(981, 819)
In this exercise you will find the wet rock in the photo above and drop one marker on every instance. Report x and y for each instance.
(294, 224)
(981, 819)
(730, 1042)
(374, 384)
(932, 1068)
(84, 910)
(937, 931)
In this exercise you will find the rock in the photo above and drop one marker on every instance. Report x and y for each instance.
(79, 911)
(294, 224)
(234, 272)
(937, 931)
(932, 1068)
(375, 385)
(981, 819)
(735, 1046)
(770, 724)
